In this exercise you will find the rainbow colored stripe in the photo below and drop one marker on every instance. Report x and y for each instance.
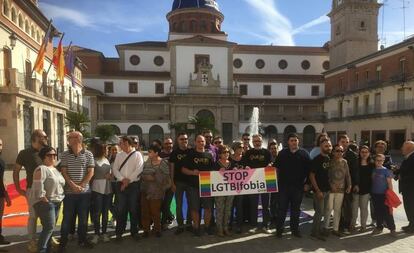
(271, 179)
(205, 189)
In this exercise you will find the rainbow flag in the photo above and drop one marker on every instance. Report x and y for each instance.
(205, 190)
(271, 179)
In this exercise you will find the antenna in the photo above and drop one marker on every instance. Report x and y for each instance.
(383, 39)
(404, 7)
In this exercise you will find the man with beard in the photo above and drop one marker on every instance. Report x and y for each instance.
(29, 160)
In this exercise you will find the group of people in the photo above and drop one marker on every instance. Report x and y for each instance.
(102, 179)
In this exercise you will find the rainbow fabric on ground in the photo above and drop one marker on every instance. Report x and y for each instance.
(271, 179)
(205, 189)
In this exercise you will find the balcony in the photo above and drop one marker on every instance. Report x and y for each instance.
(400, 105)
(217, 91)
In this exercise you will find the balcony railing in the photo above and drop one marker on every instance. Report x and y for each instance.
(204, 90)
(401, 105)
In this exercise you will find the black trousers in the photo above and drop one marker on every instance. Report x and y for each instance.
(408, 199)
(289, 197)
(346, 213)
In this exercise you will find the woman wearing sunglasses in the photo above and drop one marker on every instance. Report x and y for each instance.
(340, 182)
(48, 194)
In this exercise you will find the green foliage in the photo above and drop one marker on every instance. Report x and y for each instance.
(104, 132)
(78, 121)
(195, 125)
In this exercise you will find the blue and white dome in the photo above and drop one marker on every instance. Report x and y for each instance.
(184, 4)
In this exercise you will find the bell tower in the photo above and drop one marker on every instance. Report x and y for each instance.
(354, 30)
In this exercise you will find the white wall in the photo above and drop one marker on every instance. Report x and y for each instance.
(185, 63)
(146, 88)
(272, 64)
(279, 90)
(147, 61)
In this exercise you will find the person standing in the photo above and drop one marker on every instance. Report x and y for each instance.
(274, 196)
(77, 165)
(381, 181)
(293, 165)
(4, 196)
(224, 204)
(340, 183)
(101, 193)
(351, 156)
(127, 170)
(47, 193)
(406, 186)
(180, 181)
(199, 160)
(319, 178)
(236, 160)
(246, 142)
(361, 199)
(29, 160)
(258, 157)
(208, 136)
(167, 216)
(155, 179)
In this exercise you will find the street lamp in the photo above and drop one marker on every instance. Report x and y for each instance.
(13, 40)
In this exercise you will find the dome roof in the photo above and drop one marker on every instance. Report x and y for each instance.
(184, 4)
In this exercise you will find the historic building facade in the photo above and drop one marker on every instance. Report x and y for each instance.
(198, 72)
(369, 93)
(30, 101)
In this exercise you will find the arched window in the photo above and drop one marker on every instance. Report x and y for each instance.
(6, 8)
(288, 130)
(135, 130)
(270, 132)
(13, 15)
(26, 26)
(33, 32)
(309, 134)
(21, 21)
(156, 132)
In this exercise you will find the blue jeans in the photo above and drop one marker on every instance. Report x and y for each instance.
(48, 213)
(75, 204)
(127, 202)
(102, 203)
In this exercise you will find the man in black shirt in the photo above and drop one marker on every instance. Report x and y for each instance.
(4, 196)
(180, 180)
(258, 157)
(293, 165)
(406, 185)
(320, 183)
(29, 160)
(198, 160)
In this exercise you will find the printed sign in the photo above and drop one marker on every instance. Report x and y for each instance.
(238, 182)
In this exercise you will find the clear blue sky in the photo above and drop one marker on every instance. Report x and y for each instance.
(101, 24)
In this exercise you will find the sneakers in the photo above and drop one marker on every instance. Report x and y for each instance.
(32, 246)
(95, 239)
(105, 238)
(377, 231)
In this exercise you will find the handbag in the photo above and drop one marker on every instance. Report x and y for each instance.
(119, 184)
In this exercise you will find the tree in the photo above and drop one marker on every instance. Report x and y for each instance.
(79, 121)
(104, 132)
(195, 125)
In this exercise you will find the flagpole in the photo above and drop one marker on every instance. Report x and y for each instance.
(51, 63)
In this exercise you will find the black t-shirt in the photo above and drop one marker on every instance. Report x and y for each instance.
(30, 160)
(257, 158)
(237, 164)
(365, 178)
(2, 169)
(232, 165)
(177, 157)
(320, 167)
(202, 161)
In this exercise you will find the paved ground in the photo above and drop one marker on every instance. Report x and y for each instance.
(254, 243)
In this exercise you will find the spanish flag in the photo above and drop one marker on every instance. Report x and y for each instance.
(39, 63)
(59, 62)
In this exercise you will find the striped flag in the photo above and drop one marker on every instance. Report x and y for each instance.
(70, 63)
(59, 62)
(39, 63)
